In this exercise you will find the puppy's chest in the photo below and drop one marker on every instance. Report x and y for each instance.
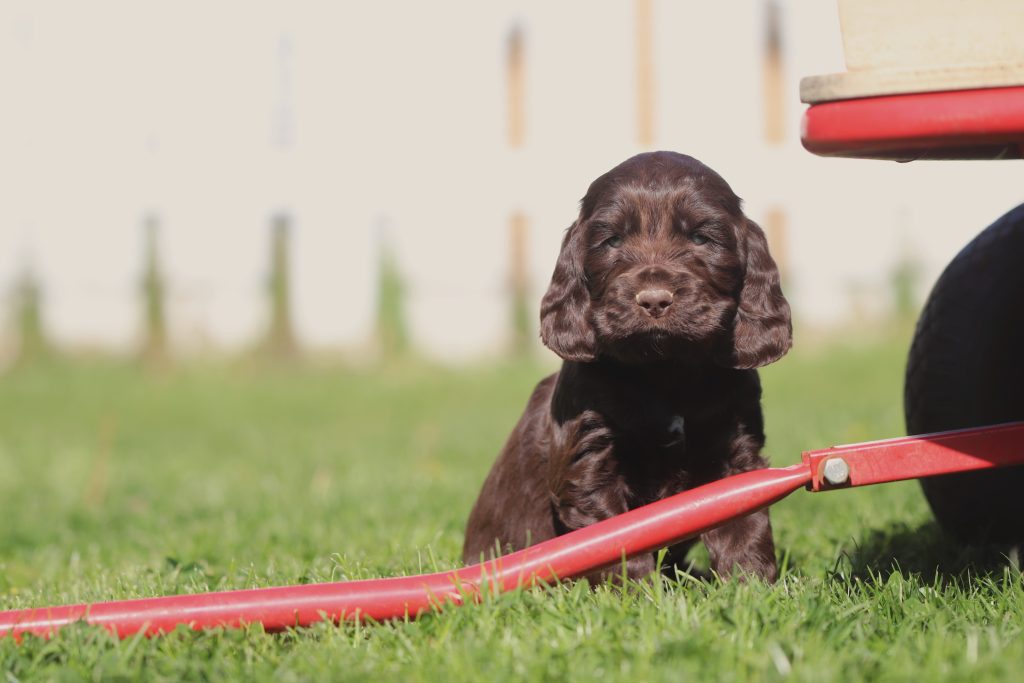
(663, 447)
(663, 453)
(664, 431)
(664, 427)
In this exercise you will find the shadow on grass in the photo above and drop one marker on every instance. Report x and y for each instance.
(928, 552)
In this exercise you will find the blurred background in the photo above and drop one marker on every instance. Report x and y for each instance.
(366, 180)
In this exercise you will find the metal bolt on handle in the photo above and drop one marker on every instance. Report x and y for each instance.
(836, 471)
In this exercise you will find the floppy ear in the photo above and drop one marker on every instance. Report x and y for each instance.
(565, 309)
(762, 329)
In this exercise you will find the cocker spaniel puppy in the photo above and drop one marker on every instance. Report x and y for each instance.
(663, 301)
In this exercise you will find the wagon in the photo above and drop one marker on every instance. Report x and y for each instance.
(941, 79)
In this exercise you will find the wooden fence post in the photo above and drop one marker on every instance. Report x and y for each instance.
(280, 340)
(154, 323)
(32, 342)
(391, 331)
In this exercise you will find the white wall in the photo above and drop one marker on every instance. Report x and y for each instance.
(113, 109)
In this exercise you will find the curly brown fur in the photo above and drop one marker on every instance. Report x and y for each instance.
(663, 300)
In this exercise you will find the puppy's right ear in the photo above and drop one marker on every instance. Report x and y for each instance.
(565, 309)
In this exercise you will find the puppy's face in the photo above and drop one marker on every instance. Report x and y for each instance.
(662, 263)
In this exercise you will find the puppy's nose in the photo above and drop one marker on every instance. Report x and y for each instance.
(654, 301)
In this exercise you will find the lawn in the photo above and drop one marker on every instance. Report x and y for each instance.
(118, 484)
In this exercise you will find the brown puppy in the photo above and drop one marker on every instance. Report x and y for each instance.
(663, 299)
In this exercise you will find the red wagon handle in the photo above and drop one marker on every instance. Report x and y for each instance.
(644, 529)
(913, 457)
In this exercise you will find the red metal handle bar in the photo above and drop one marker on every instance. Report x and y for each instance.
(641, 530)
(644, 529)
(913, 457)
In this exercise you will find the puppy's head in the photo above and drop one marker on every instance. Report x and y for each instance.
(662, 264)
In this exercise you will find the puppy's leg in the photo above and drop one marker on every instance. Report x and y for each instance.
(587, 487)
(677, 562)
(636, 568)
(744, 546)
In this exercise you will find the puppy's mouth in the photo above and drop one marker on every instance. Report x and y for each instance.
(654, 344)
(660, 339)
(684, 330)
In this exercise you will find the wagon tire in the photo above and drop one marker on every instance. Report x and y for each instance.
(966, 369)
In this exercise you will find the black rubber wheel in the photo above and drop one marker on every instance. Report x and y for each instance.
(966, 369)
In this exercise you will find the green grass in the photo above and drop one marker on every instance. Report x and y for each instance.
(114, 484)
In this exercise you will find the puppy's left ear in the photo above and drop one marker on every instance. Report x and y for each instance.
(762, 329)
